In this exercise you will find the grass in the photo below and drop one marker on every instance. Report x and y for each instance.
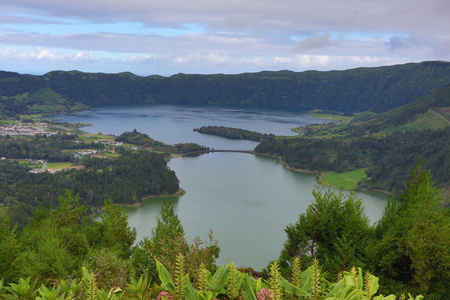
(91, 137)
(340, 118)
(59, 165)
(429, 120)
(323, 114)
(10, 122)
(70, 151)
(46, 107)
(346, 180)
(110, 154)
(22, 161)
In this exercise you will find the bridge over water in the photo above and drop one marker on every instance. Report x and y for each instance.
(213, 150)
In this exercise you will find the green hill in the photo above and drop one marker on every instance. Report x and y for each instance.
(363, 89)
(386, 145)
(430, 112)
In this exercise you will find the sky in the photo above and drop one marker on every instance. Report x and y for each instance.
(167, 37)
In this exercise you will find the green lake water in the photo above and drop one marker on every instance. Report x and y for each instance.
(246, 200)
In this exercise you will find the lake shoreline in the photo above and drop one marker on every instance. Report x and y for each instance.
(237, 196)
(140, 203)
(319, 175)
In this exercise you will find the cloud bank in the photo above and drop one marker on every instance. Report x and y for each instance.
(172, 36)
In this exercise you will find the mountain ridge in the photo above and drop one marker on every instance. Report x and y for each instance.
(376, 89)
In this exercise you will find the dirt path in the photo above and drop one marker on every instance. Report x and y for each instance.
(440, 115)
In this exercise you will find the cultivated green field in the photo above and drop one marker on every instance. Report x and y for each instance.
(336, 117)
(110, 154)
(346, 180)
(59, 165)
(90, 137)
(428, 121)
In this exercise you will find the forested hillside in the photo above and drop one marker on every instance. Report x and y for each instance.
(385, 145)
(362, 89)
(61, 254)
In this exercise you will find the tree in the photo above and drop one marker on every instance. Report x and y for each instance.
(52, 245)
(9, 247)
(115, 232)
(334, 229)
(167, 242)
(414, 247)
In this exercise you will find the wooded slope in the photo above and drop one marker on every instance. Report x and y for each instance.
(376, 89)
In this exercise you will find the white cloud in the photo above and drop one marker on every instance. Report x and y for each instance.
(42, 54)
(222, 35)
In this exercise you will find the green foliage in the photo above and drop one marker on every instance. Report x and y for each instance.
(334, 229)
(46, 254)
(275, 281)
(69, 212)
(409, 248)
(167, 282)
(202, 282)
(9, 248)
(109, 267)
(137, 138)
(167, 242)
(388, 158)
(352, 286)
(235, 133)
(140, 289)
(361, 89)
(180, 278)
(234, 281)
(42, 147)
(346, 180)
(387, 145)
(49, 294)
(116, 234)
(124, 179)
(24, 289)
(315, 284)
(90, 285)
(296, 271)
(414, 244)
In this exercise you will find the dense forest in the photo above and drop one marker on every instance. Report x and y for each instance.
(124, 179)
(117, 173)
(386, 145)
(376, 89)
(61, 254)
(235, 133)
(137, 138)
(387, 158)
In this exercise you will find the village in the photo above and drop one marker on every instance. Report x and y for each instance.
(26, 130)
(40, 165)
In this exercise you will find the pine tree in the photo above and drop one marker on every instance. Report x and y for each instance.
(414, 247)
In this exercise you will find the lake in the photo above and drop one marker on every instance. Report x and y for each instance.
(246, 200)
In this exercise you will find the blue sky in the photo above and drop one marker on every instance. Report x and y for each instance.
(221, 36)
